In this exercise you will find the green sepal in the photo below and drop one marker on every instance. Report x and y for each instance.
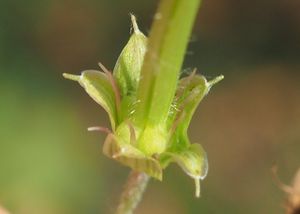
(128, 104)
(192, 160)
(98, 87)
(128, 155)
(191, 157)
(128, 67)
(190, 91)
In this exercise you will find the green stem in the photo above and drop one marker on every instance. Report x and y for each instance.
(133, 192)
(168, 41)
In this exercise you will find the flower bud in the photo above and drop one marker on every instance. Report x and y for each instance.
(128, 67)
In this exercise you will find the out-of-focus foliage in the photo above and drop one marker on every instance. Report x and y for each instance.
(50, 164)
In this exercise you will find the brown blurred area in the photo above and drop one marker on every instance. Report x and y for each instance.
(247, 123)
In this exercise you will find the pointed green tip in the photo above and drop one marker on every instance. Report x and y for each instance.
(215, 80)
(197, 187)
(71, 76)
(136, 29)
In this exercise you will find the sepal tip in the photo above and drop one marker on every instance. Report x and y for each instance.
(135, 26)
(197, 187)
(71, 76)
(215, 80)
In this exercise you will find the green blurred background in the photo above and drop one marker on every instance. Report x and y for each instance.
(49, 163)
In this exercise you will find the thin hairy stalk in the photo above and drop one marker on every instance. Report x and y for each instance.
(133, 192)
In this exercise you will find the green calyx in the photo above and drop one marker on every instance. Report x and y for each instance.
(144, 145)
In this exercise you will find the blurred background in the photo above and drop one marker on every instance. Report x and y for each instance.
(49, 163)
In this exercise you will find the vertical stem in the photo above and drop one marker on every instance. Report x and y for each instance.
(133, 192)
(168, 40)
